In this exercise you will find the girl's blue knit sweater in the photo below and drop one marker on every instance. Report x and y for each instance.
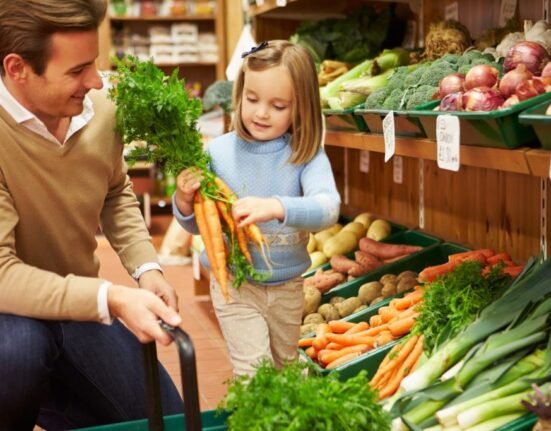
(307, 192)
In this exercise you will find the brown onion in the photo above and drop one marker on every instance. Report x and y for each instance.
(452, 102)
(512, 79)
(530, 88)
(513, 100)
(482, 99)
(451, 83)
(533, 55)
(481, 75)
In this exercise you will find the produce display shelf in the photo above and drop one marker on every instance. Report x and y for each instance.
(541, 123)
(404, 125)
(500, 128)
(344, 120)
(396, 229)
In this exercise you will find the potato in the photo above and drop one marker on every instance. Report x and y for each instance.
(369, 291)
(355, 226)
(321, 238)
(313, 318)
(406, 283)
(410, 274)
(312, 243)
(388, 278)
(308, 329)
(364, 218)
(312, 299)
(376, 300)
(329, 312)
(336, 299)
(379, 229)
(348, 306)
(388, 289)
(317, 258)
(341, 243)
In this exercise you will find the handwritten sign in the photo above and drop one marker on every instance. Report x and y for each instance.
(281, 3)
(452, 11)
(398, 169)
(364, 161)
(389, 135)
(507, 11)
(447, 142)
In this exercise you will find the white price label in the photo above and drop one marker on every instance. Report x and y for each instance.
(281, 3)
(507, 11)
(447, 142)
(452, 11)
(398, 169)
(364, 161)
(389, 135)
(259, 2)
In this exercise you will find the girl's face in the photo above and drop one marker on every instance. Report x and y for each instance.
(267, 105)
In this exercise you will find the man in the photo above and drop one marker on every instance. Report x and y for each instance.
(66, 360)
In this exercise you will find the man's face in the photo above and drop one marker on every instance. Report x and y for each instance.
(70, 73)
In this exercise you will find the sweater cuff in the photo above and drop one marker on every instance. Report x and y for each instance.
(295, 212)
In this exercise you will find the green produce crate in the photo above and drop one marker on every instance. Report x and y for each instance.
(395, 229)
(536, 117)
(500, 128)
(524, 423)
(344, 120)
(409, 237)
(404, 125)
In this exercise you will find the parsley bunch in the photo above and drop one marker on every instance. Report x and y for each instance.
(453, 301)
(289, 399)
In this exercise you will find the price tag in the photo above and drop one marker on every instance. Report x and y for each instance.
(259, 2)
(364, 161)
(452, 11)
(389, 135)
(281, 3)
(507, 11)
(398, 169)
(447, 142)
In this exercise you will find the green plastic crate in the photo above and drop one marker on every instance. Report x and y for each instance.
(404, 125)
(524, 423)
(210, 421)
(394, 229)
(541, 123)
(344, 120)
(500, 128)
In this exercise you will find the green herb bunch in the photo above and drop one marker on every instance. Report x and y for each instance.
(453, 301)
(157, 110)
(290, 399)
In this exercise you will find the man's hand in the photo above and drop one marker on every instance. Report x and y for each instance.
(140, 310)
(155, 282)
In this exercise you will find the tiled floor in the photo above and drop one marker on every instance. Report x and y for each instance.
(199, 321)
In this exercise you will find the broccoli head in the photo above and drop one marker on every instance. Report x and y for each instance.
(394, 100)
(219, 93)
(435, 73)
(420, 96)
(451, 58)
(397, 78)
(414, 76)
(469, 56)
(376, 99)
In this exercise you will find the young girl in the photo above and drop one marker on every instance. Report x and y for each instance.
(275, 163)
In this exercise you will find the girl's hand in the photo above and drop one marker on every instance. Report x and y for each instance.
(254, 210)
(187, 184)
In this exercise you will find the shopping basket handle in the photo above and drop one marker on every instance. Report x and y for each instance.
(190, 389)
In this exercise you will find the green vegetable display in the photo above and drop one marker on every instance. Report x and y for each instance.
(288, 399)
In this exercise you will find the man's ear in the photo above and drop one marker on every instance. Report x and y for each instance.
(15, 67)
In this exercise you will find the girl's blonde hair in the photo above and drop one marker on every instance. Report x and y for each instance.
(306, 122)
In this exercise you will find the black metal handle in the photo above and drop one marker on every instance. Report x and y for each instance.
(186, 353)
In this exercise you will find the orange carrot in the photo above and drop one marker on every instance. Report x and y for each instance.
(407, 300)
(349, 340)
(375, 320)
(321, 339)
(492, 260)
(486, 252)
(305, 342)
(327, 356)
(333, 346)
(342, 360)
(406, 347)
(373, 331)
(513, 271)
(403, 371)
(311, 352)
(388, 357)
(340, 326)
(402, 326)
(387, 313)
(431, 273)
(383, 338)
(358, 327)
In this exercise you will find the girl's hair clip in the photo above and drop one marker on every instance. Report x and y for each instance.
(254, 49)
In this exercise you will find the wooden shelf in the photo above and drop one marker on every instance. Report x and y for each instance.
(507, 160)
(170, 18)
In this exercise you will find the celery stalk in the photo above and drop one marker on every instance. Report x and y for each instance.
(495, 423)
(492, 409)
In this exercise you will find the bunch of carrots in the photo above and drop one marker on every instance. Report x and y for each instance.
(400, 361)
(486, 256)
(338, 341)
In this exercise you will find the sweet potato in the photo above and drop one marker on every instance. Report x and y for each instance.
(386, 251)
(324, 280)
(367, 259)
(341, 263)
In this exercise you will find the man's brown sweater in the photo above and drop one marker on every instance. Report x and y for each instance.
(52, 200)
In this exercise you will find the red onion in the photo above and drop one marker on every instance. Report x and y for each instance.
(513, 100)
(482, 99)
(531, 54)
(546, 72)
(481, 75)
(512, 79)
(452, 102)
(451, 83)
(530, 88)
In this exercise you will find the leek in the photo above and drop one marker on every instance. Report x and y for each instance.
(495, 423)
(529, 287)
(331, 89)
